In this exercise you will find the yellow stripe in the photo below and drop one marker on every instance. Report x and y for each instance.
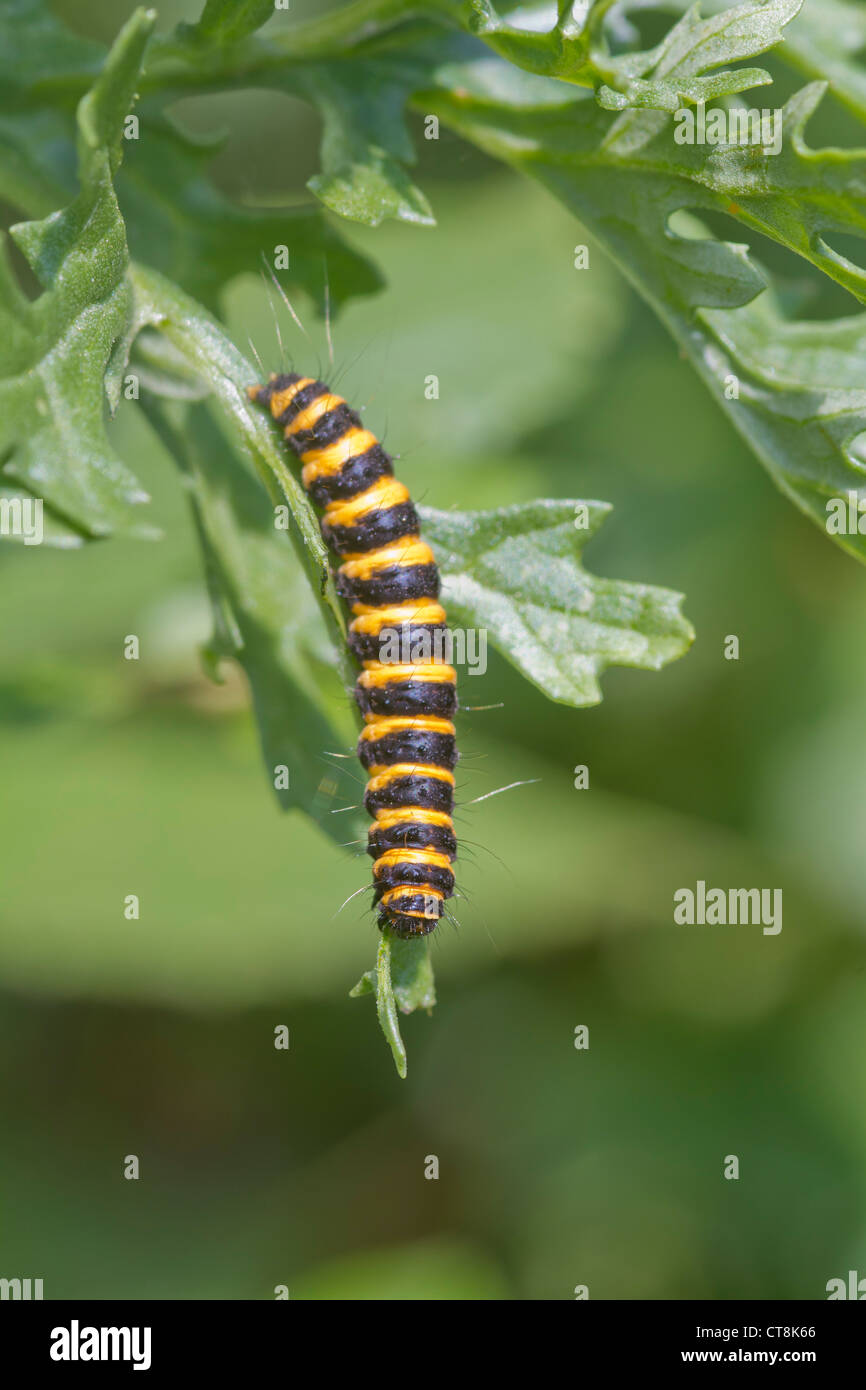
(377, 673)
(328, 461)
(382, 777)
(313, 412)
(283, 399)
(370, 621)
(393, 895)
(385, 492)
(378, 725)
(409, 550)
(389, 816)
(411, 856)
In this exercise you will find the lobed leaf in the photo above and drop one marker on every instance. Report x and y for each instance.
(181, 225)
(515, 573)
(680, 68)
(57, 351)
(569, 42)
(801, 404)
(824, 41)
(176, 218)
(365, 145)
(622, 172)
(626, 177)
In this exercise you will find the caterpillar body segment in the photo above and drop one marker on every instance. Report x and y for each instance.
(388, 577)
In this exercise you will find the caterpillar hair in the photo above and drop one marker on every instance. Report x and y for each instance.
(388, 577)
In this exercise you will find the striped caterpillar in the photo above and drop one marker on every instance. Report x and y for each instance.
(388, 577)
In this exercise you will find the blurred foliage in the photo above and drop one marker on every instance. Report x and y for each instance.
(557, 1166)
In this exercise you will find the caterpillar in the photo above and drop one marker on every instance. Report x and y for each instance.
(388, 577)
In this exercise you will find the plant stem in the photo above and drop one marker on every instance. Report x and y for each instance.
(386, 1005)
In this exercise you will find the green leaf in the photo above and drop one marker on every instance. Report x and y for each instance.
(386, 1009)
(226, 21)
(177, 220)
(625, 178)
(825, 41)
(515, 573)
(365, 144)
(56, 352)
(180, 224)
(402, 979)
(799, 197)
(266, 619)
(102, 112)
(562, 51)
(672, 95)
(679, 69)
(412, 975)
(801, 404)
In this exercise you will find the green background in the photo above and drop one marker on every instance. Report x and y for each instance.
(557, 1167)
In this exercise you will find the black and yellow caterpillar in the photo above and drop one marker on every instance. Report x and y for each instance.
(388, 577)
